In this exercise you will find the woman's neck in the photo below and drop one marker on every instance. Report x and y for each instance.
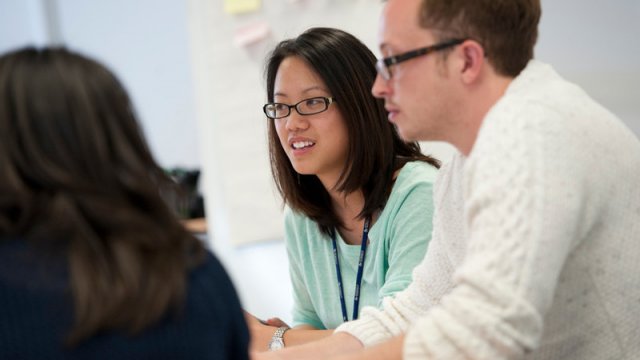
(347, 206)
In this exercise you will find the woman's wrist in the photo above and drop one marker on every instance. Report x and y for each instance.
(277, 341)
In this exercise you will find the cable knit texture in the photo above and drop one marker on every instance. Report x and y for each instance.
(549, 268)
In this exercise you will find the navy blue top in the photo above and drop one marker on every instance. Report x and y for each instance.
(36, 314)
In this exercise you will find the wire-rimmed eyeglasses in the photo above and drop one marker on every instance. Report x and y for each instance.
(308, 106)
(384, 65)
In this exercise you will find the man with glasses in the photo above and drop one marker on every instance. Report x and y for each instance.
(537, 222)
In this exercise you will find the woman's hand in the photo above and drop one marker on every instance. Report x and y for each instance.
(261, 332)
(276, 322)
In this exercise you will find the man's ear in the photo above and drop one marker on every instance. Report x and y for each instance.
(472, 58)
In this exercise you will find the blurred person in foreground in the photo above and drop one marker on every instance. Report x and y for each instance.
(93, 264)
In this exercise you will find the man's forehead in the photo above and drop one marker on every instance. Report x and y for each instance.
(399, 25)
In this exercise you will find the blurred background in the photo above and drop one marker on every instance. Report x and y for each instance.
(194, 69)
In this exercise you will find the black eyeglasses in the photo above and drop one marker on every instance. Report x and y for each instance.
(384, 65)
(309, 106)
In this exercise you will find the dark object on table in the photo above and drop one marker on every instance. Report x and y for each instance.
(187, 203)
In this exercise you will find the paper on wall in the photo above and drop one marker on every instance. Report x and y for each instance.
(241, 6)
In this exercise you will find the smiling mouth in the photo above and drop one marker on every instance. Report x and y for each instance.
(302, 144)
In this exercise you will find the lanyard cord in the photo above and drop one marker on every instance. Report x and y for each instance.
(363, 252)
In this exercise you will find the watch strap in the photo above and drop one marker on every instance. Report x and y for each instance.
(277, 340)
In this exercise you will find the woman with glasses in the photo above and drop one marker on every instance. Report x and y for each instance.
(358, 199)
(93, 263)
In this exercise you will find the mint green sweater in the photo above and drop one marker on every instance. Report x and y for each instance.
(397, 243)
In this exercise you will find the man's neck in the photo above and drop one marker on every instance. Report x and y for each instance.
(481, 100)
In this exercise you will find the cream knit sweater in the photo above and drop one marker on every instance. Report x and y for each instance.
(536, 246)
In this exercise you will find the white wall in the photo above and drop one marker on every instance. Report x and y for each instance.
(594, 44)
(21, 22)
(144, 42)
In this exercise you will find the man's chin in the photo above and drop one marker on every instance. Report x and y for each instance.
(406, 134)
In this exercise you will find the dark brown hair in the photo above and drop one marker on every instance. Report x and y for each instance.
(375, 152)
(76, 175)
(507, 29)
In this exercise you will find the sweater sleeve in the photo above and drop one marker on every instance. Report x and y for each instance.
(523, 194)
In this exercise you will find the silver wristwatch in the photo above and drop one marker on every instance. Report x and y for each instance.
(276, 341)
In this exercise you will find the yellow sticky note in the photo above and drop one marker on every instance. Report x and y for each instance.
(241, 6)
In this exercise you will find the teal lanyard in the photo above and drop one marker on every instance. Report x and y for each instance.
(363, 252)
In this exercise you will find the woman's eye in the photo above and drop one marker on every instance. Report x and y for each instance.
(314, 102)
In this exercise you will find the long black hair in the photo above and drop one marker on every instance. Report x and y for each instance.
(77, 174)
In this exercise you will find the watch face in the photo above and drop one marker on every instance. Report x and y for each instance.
(276, 344)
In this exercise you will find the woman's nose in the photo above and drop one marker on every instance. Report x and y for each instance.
(295, 121)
